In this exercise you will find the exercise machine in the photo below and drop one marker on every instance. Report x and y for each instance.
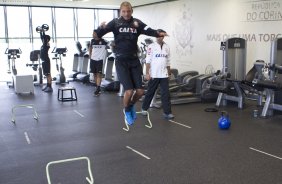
(187, 87)
(80, 64)
(232, 73)
(273, 85)
(12, 55)
(59, 52)
(83, 75)
(83, 63)
(110, 82)
(231, 82)
(76, 57)
(36, 66)
(143, 52)
(257, 73)
(191, 90)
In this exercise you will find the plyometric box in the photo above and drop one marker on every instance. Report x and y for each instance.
(23, 84)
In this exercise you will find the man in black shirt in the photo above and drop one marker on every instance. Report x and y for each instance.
(46, 64)
(126, 30)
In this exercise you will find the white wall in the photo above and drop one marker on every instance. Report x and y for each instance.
(196, 28)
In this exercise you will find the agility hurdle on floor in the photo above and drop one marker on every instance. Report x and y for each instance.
(89, 180)
(29, 106)
(149, 125)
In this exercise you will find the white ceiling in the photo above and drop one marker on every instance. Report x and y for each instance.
(78, 3)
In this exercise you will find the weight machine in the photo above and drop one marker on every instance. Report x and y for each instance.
(262, 82)
(273, 85)
(232, 73)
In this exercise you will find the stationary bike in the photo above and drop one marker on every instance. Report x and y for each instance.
(59, 52)
(36, 66)
(12, 54)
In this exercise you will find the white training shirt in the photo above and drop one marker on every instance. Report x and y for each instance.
(159, 59)
(99, 50)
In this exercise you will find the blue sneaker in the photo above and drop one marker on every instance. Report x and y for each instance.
(128, 117)
(133, 113)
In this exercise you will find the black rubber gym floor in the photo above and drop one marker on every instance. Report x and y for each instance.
(190, 150)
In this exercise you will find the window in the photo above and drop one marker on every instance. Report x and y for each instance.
(2, 24)
(22, 22)
(85, 22)
(3, 45)
(40, 16)
(64, 22)
(18, 32)
(106, 16)
(18, 22)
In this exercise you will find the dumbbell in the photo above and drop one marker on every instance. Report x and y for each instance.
(43, 28)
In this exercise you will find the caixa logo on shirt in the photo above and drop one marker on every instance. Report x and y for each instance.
(160, 55)
(97, 46)
(127, 30)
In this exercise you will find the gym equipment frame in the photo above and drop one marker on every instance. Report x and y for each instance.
(89, 179)
(149, 125)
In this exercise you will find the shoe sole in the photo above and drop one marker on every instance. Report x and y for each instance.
(48, 91)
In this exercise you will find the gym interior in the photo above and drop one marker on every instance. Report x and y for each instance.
(226, 96)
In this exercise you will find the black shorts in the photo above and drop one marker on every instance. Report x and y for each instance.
(96, 66)
(46, 66)
(129, 72)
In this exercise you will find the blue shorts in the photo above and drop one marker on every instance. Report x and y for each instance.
(129, 72)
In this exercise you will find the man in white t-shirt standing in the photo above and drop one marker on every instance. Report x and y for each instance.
(158, 73)
(97, 52)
